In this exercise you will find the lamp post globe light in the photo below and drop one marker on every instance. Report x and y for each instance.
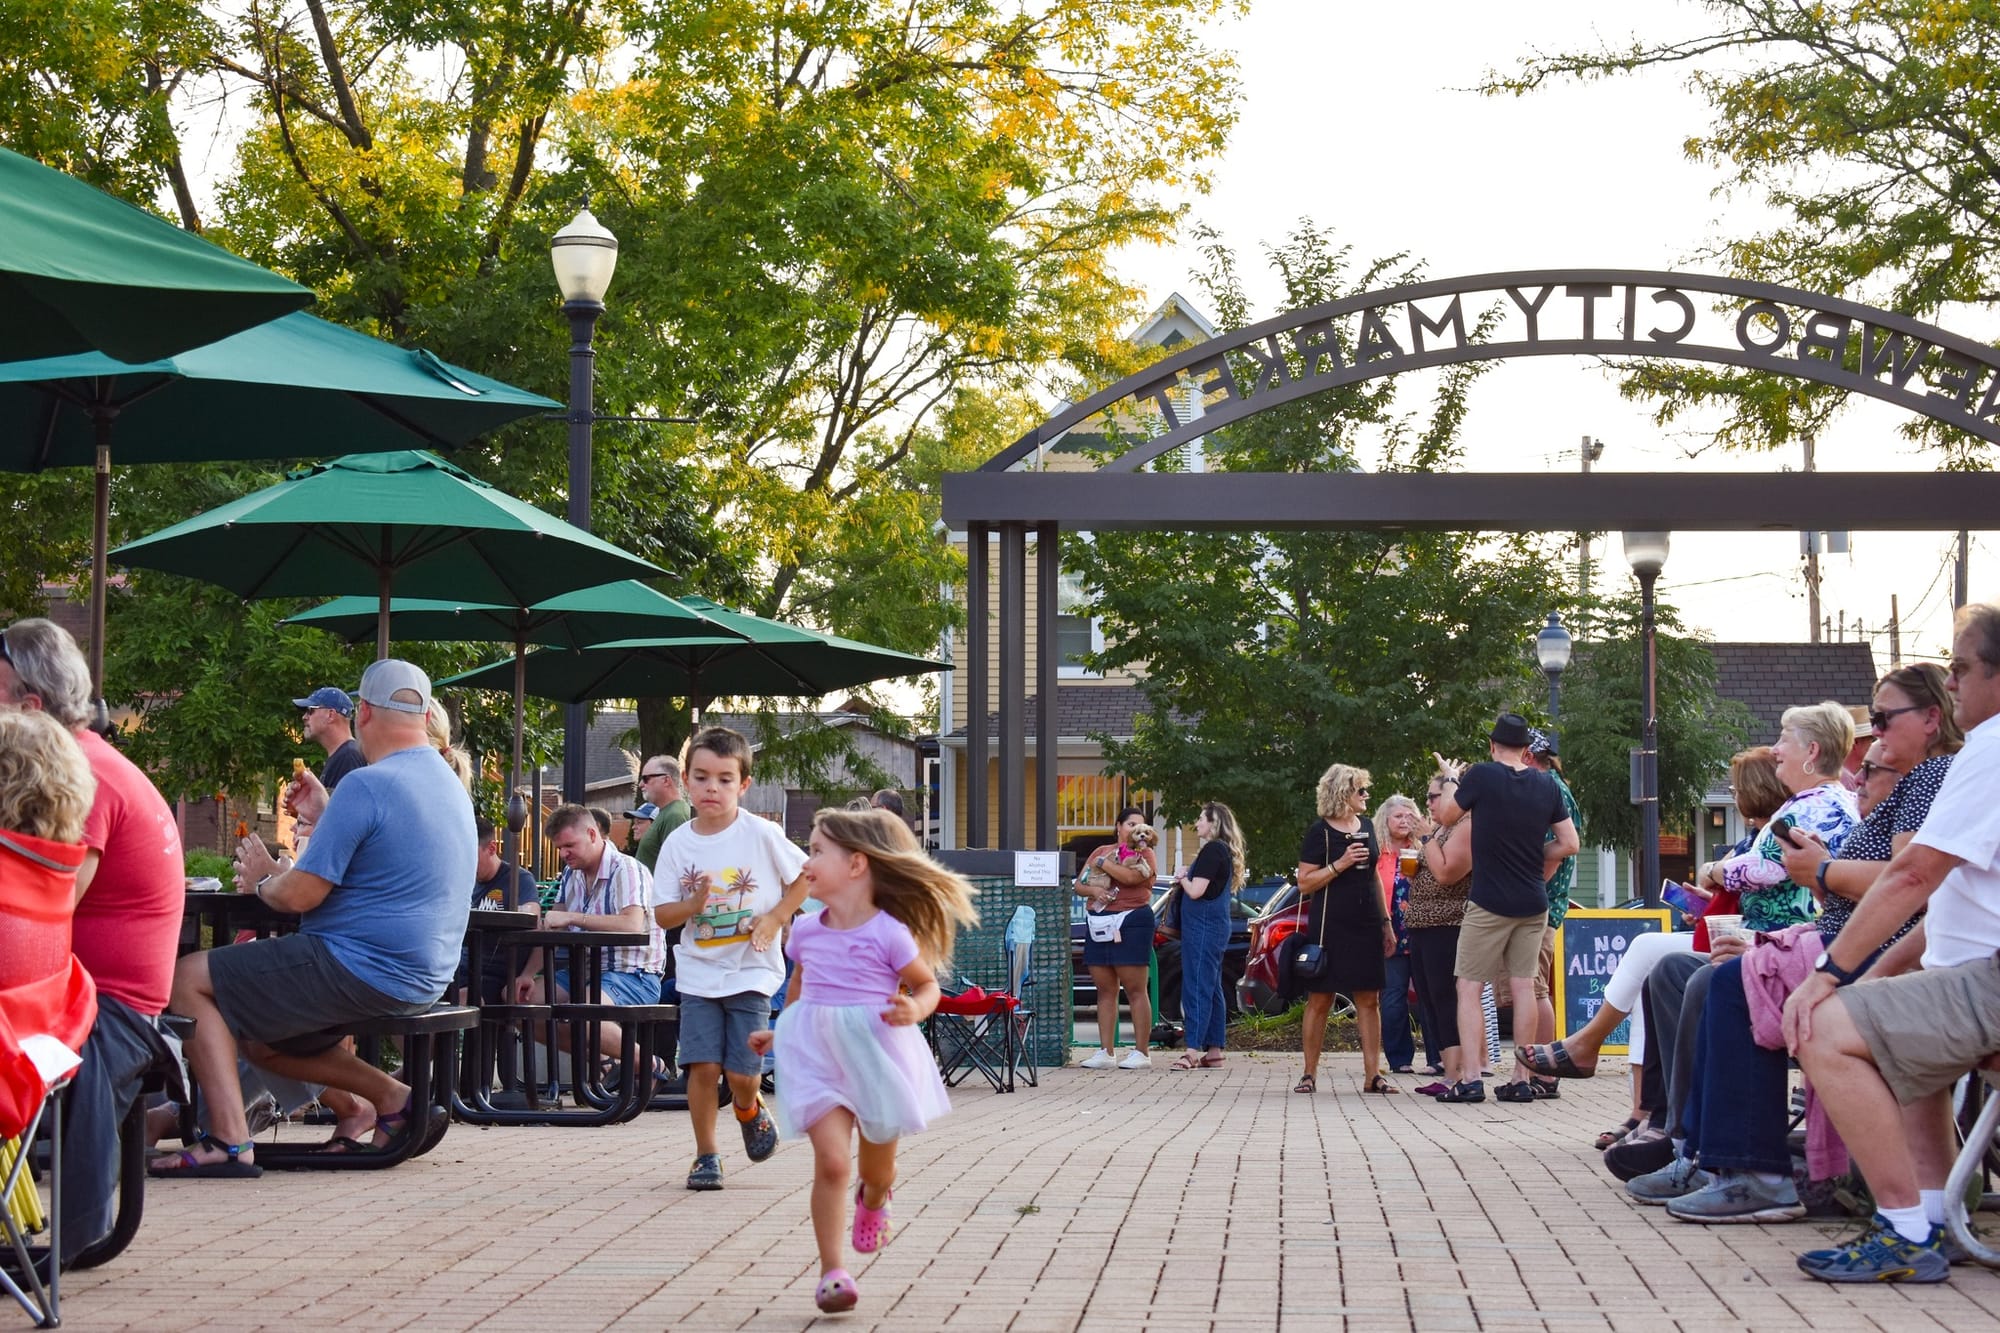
(584, 255)
(1646, 552)
(1552, 649)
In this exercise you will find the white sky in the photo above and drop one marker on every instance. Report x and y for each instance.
(1358, 118)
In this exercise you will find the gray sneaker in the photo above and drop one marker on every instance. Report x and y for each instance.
(1739, 1196)
(1678, 1177)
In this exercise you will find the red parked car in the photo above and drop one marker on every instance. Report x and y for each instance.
(1267, 986)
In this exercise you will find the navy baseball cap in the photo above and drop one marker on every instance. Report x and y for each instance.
(326, 696)
(646, 811)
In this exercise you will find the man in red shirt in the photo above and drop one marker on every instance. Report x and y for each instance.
(127, 923)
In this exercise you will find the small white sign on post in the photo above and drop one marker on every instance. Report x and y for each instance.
(1038, 870)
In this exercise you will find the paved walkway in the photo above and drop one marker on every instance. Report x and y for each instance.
(1214, 1200)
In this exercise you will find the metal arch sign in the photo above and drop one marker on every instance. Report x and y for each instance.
(1559, 312)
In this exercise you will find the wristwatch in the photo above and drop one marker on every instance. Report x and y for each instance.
(1840, 975)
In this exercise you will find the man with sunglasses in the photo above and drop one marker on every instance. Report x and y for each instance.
(660, 786)
(1521, 834)
(1884, 1053)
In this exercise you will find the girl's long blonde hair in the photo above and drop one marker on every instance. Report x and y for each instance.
(932, 901)
(1230, 834)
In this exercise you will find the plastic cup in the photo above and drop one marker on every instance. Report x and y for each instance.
(1406, 861)
(1727, 927)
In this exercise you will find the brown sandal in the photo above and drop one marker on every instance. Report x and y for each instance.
(1380, 1084)
(1188, 1060)
(1307, 1084)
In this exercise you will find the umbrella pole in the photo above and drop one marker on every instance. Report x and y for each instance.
(517, 809)
(383, 576)
(99, 557)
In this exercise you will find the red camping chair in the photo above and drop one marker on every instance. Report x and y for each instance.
(989, 1031)
(47, 1006)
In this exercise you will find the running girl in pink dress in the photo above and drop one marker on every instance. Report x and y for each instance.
(849, 1055)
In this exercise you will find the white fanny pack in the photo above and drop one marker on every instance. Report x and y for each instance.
(1104, 926)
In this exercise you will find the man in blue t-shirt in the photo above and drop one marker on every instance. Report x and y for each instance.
(381, 896)
(1521, 832)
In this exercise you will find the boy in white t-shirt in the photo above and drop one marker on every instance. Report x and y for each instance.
(733, 881)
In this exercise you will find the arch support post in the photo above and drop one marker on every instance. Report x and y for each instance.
(1013, 685)
(978, 647)
(1048, 566)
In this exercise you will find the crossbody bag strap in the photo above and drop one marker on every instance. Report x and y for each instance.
(1326, 842)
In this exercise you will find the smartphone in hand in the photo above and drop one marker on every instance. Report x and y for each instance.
(1782, 827)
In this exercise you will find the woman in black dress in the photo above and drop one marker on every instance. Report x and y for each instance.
(1344, 916)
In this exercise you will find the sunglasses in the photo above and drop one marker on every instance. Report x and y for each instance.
(648, 777)
(5, 656)
(1361, 791)
(1878, 718)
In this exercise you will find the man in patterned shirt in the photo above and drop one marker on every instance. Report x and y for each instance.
(1542, 754)
(601, 889)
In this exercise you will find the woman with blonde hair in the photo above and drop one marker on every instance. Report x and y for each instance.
(1345, 921)
(1205, 888)
(1399, 829)
(437, 726)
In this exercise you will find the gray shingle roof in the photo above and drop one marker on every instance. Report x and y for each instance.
(1768, 678)
(1083, 709)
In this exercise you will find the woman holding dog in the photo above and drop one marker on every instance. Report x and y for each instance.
(1348, 934)
(1117, 882)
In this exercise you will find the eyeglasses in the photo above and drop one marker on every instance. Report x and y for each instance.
(1878, 718)
(1869, 768)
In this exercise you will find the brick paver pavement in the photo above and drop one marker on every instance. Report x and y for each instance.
(1210, 1200)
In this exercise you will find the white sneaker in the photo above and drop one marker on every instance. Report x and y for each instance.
(1136, 1060)
(1102, 1060)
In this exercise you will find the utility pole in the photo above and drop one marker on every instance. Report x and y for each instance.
(1959, 580)
(1895, 634)
(1840, 634)
(1812, 564)
(1588, 452)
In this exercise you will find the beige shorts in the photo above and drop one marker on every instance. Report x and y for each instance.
(1924, 1029)
(1494, 948)
(1545, 972)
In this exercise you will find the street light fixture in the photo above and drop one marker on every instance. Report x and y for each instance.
(1646, 552)
(585, 255)
(1552, 649)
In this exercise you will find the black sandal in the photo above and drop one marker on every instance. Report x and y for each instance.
(1555, 1064)
(1307, 1084)
(1380, 1084)
(1611, 1136)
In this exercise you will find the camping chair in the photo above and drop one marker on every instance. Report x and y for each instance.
(47, 1006)
(991, 1031)
(1978, 1151)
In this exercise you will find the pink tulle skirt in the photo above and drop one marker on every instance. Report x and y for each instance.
(844, 1055)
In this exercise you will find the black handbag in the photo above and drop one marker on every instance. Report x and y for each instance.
(1312, 962)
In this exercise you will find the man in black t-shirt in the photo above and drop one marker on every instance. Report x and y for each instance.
(490, 888)
(1520, 832)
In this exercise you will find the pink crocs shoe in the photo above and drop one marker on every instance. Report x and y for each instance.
(871, 1225)
(836, 1292)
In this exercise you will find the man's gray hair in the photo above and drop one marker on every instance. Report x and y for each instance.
(50, 665)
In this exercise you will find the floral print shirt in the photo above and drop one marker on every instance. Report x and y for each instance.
(1770, 900)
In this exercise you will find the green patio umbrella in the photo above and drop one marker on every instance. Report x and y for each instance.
(407, 521)
(82, 270)
(773, 659)
(297, 387)
(622, 610)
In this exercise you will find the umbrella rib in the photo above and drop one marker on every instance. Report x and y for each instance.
(429, 437)
(256, 590)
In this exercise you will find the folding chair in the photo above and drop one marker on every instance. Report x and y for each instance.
(47, 1006)
(990, 1031)
(1974, 1157)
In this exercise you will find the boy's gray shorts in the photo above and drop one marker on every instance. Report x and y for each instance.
(716, 1030)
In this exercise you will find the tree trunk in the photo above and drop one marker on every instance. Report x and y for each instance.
(663, 727)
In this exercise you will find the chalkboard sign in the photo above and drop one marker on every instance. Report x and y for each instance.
(1589, 947)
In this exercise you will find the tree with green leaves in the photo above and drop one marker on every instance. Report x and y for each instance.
(1603, 716)
(1869, 128)
(856, 234)
(1266, 657)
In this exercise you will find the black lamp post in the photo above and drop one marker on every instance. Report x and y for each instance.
(585, 255)
(1646, 552)
(1552, 648)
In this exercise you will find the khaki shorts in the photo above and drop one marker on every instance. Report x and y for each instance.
(1494, 948)
(1545, 974)
(1924, 1029)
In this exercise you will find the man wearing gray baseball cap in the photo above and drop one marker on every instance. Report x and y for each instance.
(381, 896)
